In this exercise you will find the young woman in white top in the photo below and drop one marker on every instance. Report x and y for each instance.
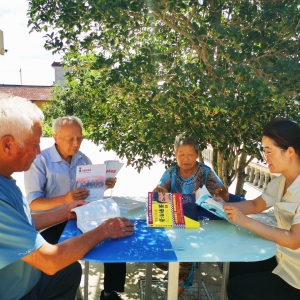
(277, 277)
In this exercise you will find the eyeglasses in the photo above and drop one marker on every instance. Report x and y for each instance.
(266, 154)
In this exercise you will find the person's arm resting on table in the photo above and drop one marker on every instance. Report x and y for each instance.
(52, 258)
(237, 212)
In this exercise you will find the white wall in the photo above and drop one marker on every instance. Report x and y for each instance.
(59, 75)
(129, 181)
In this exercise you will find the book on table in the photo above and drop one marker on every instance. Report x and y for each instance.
(205, 200)
(172, 210)
(93, 214)
(127, 204)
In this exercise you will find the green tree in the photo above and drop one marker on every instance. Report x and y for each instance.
(144, 71)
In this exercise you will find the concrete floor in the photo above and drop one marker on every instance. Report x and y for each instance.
(211, 277)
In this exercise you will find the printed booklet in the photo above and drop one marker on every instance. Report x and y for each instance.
(112, 168)
(172, 210)
(93, 177)
(93, 214)
(205, 200)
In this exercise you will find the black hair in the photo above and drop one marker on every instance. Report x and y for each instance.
(284, 133)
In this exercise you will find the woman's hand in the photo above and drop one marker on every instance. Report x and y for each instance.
(222, 192)
(235, 215)
(219, 199)
(160, 189)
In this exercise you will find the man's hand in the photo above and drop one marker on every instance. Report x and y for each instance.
(110, 182)
(72, 215)
(117, 228)
(222, 192)
(160, 189)
(76, 194)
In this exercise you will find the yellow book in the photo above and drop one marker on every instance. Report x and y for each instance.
(172, 210)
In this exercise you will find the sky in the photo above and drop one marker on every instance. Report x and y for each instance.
(25, 50)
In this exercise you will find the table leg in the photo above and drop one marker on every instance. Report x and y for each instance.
(148, 281)
(173, 280)
(86, 280)
(225, 274)
(199, 280)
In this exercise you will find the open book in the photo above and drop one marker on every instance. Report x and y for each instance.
(205, 200)
(93, 214)
(172, 210)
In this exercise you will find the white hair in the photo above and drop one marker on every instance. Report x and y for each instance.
(17, 117)
(58, 123)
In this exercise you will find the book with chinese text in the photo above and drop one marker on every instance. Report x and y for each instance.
(112, 168)
(205, 200)
(93, 178)
(172, 210)
(93, 214)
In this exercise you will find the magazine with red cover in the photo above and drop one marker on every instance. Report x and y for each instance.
(172, 210)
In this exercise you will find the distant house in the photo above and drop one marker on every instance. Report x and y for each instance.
(59, 73)
(39, 95)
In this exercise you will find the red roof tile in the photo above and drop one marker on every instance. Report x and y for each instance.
(30, 92)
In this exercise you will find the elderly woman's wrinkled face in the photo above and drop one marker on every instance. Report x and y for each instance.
(186, 157)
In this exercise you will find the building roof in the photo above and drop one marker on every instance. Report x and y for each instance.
(30, 92)
(56, 64)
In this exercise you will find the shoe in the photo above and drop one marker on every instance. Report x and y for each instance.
(112, 296)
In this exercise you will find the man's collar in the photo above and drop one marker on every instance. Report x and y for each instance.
(55, 156)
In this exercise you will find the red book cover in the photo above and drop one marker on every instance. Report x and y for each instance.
(178, 213)
(172, 210)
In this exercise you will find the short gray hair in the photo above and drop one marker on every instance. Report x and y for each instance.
(17, 117)
(57, 123)
(184, 140)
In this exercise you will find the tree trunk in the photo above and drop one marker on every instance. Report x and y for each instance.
(214, 162)
(231, 168)
(241, 175)
(222, 168)
(200, 157)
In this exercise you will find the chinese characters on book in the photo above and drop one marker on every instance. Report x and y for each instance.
(172, 210)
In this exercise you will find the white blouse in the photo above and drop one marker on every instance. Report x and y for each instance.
(287, 213)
